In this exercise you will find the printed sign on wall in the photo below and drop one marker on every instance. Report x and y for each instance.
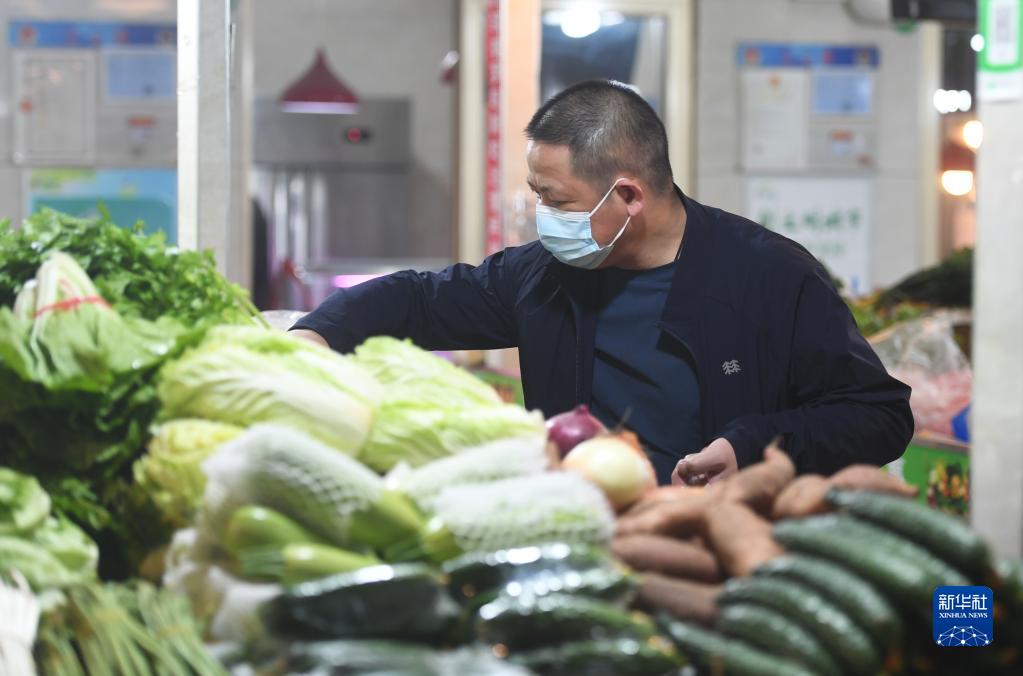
(828, 216)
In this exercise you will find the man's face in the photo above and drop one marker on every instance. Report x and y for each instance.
(551, 178)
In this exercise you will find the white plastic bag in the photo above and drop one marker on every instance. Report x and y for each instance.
(923, 354)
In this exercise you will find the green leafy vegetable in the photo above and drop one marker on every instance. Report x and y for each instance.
(23, 502)
(246, 381)
(50, 552)
(79, 398)
(137, 273)
(416, 430)
(432, 408)
(170, 473)
(41, 569)
(68, 338)
(68, 544)
(401, 364)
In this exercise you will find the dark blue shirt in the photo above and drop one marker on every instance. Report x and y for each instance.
(641, 374)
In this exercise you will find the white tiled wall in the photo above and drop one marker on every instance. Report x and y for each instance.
(897, 231)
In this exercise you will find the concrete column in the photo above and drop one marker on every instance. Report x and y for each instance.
(204, 126)
(997, 436)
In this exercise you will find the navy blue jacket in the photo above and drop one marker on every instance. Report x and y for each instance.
(777, 352)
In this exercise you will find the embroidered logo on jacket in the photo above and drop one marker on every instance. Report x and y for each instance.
(731, 367)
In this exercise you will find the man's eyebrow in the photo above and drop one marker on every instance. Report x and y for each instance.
(538, 189)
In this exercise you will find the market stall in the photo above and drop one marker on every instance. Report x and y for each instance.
(187, 490)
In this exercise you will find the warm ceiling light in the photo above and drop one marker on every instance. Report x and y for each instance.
(973, 134)
(319, 91)
(580, 22)
(957, 182)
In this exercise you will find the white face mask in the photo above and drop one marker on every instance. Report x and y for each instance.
(568, 235)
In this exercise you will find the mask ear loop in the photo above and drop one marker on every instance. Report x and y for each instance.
(620, 232)
(625, 225)
(606, 195)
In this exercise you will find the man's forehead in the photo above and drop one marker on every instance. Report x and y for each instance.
(550, 167)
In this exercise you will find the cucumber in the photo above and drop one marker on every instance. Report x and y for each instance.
(522, 623)
(358, 657)
(902, 570)
(841, 637)
(859, 599)
(769, 630)
(1008, 582)
(620, 657)
(716, 654)
(402, 602)
(478, 578)
(948, 537)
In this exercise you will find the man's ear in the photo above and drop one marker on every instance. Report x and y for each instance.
(631, 193)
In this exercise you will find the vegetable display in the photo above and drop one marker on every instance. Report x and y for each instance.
(122, 630)
(386, 512)
(320, 488)
(841, 582)
(432, 409)
(569, 429)
(526, 605)
(78, 401)
(49, 552)
(615, 463)
(242, 376)
(550, 507)
(138, 274)
(170, 471)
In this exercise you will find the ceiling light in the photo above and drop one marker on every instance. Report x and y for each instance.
(580, 22)
(957, 182)
(973, 134)
(319, 91)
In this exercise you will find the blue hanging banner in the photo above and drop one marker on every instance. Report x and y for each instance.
(799, 55)
(88, 34)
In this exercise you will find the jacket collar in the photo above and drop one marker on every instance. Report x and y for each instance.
(694, 270)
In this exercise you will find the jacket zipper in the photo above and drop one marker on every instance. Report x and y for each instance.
(696, 371)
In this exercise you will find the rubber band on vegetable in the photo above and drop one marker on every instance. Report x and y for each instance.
(71, 304)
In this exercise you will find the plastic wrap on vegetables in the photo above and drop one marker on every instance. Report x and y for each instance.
(551, 507)
(325, 491)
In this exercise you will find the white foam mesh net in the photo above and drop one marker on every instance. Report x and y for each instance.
(554, 506)
(502, 459)
(292, 473)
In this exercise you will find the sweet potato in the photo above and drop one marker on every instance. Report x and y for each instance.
(679, 516)
(871, 478)
(669, 494)
(739, 538)
(674, 558)
(758, 485)
(802, 497)
(682, 599)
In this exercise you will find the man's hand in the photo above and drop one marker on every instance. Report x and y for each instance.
(311, 336)
(712, 464)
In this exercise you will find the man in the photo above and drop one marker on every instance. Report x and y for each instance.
(705, 333)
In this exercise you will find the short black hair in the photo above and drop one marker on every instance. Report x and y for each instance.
(609, 129)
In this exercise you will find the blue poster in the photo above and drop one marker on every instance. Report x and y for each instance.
(85, 34)
(130, 195)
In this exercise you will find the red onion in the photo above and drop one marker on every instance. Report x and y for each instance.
(571, 428)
